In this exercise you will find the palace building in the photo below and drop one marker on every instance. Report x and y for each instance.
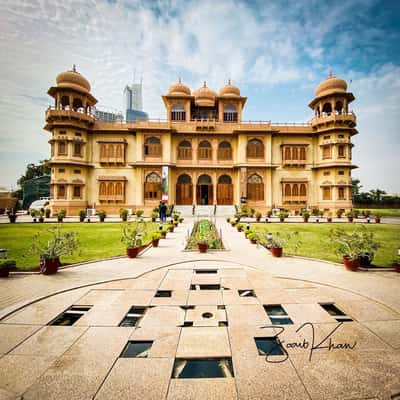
(204, 153)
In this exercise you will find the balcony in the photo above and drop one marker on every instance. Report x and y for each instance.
(112, 160)
(54, 114)
(335, 118)
(294, 199)
(111, 198)
(294, 163)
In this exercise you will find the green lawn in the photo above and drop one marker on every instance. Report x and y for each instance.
(315, 241)
(98, 240)
(384, 212)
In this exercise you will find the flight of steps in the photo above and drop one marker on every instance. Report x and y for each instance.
(225, 211)
(204, 211)
(186, 211)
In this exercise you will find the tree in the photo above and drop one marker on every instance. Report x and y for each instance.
(355, 187)
(376, 195)
(34, 171)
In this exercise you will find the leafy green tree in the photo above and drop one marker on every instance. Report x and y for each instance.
(35, 171)
(376, 195)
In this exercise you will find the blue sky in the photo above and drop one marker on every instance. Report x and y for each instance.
(275, 51)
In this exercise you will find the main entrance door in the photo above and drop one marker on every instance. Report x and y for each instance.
(184, 190)
(225, 190)
(204, 191)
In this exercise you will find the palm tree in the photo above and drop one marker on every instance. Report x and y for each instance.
(376, 195)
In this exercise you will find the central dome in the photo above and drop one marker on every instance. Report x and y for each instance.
(178, 89)
(331, 85)
(73, 80)
(204, 96)
(229, 90)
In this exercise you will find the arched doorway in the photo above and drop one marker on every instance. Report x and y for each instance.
(184, 190)
(225, 190)
(255, 188)
(204, 190)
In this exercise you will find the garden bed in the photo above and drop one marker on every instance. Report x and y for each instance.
(204, 229)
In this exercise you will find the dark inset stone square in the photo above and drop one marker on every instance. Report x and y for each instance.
(136, 349)
(203, 368)
(163, 293)
(269, 346)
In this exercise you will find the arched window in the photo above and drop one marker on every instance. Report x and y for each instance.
(118, 189)
(287, 154)
(302, 153)
(288, 190)
(152, 187)
(62, 148)
(185, 150)
(204, 150)
(303, 190)
(110, 189)
(184, 179)
(326, 193)
(255, 149)
(255, 188)
(339, 107)
(295, 153)
(64, 102)
(178, 112)
(341, 193)
(103, 189)
(61, 192)
(327, 109)
(326, 152)
(295, 190)
(224, 151)
(152, 147)
(230, 113)
(77, 104)
(225, 179)
(103, 152)
(204, 180)
(119, 151)
(110, 151)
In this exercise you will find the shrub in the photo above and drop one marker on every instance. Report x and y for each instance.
(7, 263)
(139, 213)
(315, 212)
(154, 215)
(339, 212)
(133, 233)
(123, 213)
(252, 236)
(258, 214)
(82, 214)
(47, 212)
(305, 214)
(102, 214)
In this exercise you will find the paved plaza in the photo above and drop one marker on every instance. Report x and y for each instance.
(173, 324)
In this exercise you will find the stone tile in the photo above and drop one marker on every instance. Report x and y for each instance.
(137, 378)
(179, 297)
(236, 283)
(177, 280)
(72, 378)
(275, 296)
(161, 316)
(348, 374)
(293, 284)
(196, 316)
(310, 295)
(7, 395)
(97, 341)
(203, 342)
(20, 372)
(368, 311)
(104, 315)
(12, 335)
(388, 331)
(302, 313)
(232, 297)
(247, 315)
(165, 340)
(233, 272)
(134, 297)
(50, 341)
(212, 279)
(258, 379)
(205, 389)
(261, 280)
(98, 296)
(205, 297)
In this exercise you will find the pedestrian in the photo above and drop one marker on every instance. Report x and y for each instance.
(164, 212)
(160, 206)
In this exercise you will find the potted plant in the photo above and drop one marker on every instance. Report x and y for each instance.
(61, 215)
(132, 236)
(377, 218)
(350, 216)
(356, 213)
(123, 213)
(47, 212)
(5, 266)
(329, 217)
(163, 233)
(252, 236)
(258, 216)
(50, 250)
(305, 215)
(41, 215)
(170, 227)
(228, 219)
(315, 212)
(252, 212)
(233, 223)
(155, 238)
(33, 214)
(154, 216)
(181, 219)
(279, 240)
(283, 215)
(82, 215)
(139, 213)
(102, 215)
(269, 214)
(370, 246)
(12, 216)
(339, 212)
(202, 242)
(396, 264)
(239, 227)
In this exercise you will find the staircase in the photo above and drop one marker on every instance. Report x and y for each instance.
(204, 211)
(225, 211)
(186, 211)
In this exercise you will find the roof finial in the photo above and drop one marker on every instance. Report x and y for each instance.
(74, 68)
(204, 84)
(229, 81)
(330, 74)
(179, 80)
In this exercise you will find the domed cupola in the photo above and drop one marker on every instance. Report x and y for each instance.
(178, 89)
(204, 96)
(229, 90)
(331, 85)
(73, 80)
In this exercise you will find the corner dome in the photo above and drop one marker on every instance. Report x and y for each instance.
(229, 90)
(178, 89)
(204, 96)
(331, 85)
(73, 80)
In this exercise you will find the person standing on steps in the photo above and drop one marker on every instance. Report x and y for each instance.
(163, 212)
(160, 210)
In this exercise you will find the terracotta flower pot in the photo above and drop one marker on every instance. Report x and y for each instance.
(163, 235)
(305, 219)
(396, 266)
(378, 220)
(281, 219)
(154, 242)
(276, 251)
(239, 229)
(350, 219)
(253, 241)
(49, 266)
(258, 219)
(4, 272)
(351, 265)
(171, 229)
(202, 247)
(132, 252)
(366, 259)
(41, 219)
(12, 218)
(329, 219)
(102, 219)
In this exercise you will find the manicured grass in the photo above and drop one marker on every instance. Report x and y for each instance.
(315, 242)
(384, 212)
(97, 240)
